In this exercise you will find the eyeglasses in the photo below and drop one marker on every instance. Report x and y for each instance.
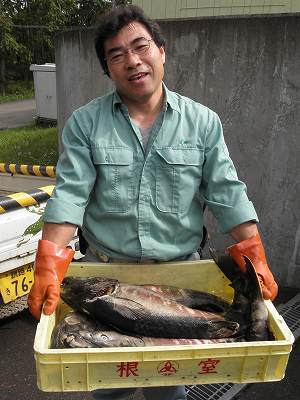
(141, 46)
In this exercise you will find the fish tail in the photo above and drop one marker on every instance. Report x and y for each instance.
(223, 329)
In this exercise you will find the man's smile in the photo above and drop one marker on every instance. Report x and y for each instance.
(137, 76)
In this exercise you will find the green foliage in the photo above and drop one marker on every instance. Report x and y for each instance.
(18, 90)
(27, 29)
(9, 43)
(29, 145)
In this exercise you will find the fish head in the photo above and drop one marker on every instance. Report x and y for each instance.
(107, 338)
(75, 291)
(258, 321)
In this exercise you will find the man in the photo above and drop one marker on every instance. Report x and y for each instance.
(136, 164)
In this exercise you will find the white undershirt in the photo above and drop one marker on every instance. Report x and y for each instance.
(146, 132)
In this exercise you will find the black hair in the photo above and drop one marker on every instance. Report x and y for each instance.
(113, 21)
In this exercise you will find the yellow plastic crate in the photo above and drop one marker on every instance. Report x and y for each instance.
(62, 370)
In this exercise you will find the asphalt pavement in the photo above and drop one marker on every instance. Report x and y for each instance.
(17, 113)
(17, 365)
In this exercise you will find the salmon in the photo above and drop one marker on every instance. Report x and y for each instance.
(78, 330)
(138, 310)
(192, 298)
(248, 307)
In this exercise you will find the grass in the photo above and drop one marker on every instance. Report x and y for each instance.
(30, 145)
(18, 90)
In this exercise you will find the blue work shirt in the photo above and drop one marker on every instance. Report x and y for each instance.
(146, 204)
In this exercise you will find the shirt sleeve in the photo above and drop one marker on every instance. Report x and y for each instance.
(224, 194)
(75, 174)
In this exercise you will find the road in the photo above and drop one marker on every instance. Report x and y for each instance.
(22, 183)
(17, 366)
(17, 113)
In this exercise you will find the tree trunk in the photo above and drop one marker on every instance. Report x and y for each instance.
(2, 75)
(2, 62)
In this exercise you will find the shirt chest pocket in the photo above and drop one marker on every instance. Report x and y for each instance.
(178, 177)
(114, 178)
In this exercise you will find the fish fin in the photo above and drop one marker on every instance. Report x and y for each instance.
(226, 264)
(231, 270)
(254, 278)
(128, 308)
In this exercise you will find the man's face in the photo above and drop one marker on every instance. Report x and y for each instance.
(139, 76)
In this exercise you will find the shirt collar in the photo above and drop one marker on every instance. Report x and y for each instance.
(170, 100)
(116, 100)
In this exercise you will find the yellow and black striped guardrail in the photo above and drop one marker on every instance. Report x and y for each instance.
(25, 199)
(23, 169)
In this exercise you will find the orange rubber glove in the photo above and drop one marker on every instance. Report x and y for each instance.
(51, 264)
(254, 250)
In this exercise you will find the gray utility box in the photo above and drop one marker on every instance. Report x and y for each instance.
(44, 77)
